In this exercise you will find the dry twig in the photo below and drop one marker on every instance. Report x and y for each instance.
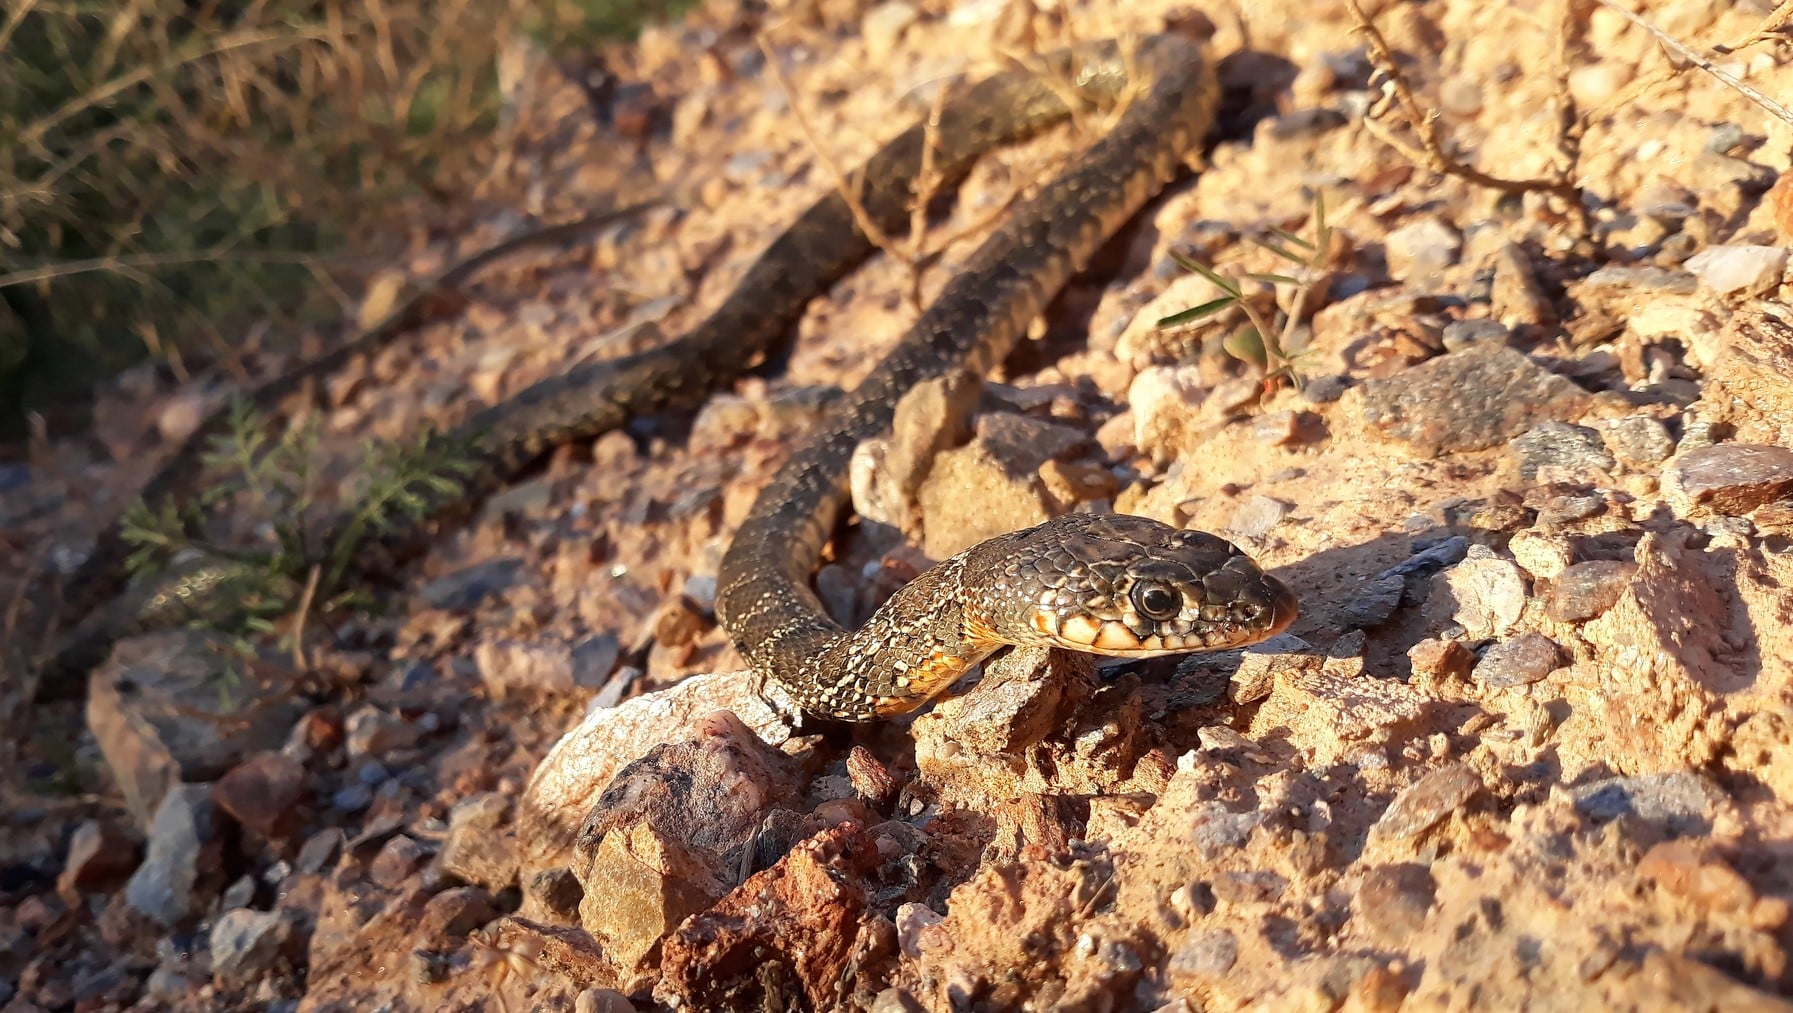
(1771, 28)
(1429, 149)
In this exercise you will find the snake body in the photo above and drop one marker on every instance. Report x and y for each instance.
(1069, 593)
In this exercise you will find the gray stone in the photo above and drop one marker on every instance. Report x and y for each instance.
(179, 859)
(1521, 661)
(246, 945)
(1468, 400)
(1575, 450)
(1683, 803)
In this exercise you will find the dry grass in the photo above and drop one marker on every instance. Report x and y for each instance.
(170, 169)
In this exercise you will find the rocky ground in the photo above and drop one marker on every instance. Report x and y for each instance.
(1526, 747)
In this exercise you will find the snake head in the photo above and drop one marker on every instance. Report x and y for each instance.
(1123, 586)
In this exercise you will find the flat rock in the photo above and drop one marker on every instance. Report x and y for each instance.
(1469, 400)
(1728, 478)
(1751, 367)
(246, 945)
(158, 711)
(1425, 802)
(1521, 661)
(1586, 590)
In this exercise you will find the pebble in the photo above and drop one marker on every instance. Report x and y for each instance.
(395, 862)
(464, 589)
(1586, 590)
(1419, 250)
(1489, 596)
(1258, 515)
(1750, 270)
(1543, 555)
(1462, 334)
(1439, 659)
(1682, 803)
(1521, 661)
(370, 732)
(318, 851)
(262, 793)
(1728, 478)
(1425, 802)
(98, 853)
(1373, 602)
(1206, 953)
(352, 799)
(594, 659)
(1639, 441)
(246, 945)
(1575, 450)
(1394, 900)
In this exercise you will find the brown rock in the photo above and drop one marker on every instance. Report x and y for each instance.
(671, 832)
(397, 860)
(98, 853)
(1728, 478)
(1428, 800)
(452, 914)
(1486, 595)
(263, 794)
(971, 495)
(478, 849)
(1521, 661)
(1691, 871)
(1469, 400)
(1393, 902)
(792, 927)
(1587, 590)
(1437, 659)
(1328, 716)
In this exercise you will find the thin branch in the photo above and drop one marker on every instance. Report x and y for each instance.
(1429, 152)
(1675, 46)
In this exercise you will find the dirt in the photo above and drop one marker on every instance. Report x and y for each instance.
(1524, 747)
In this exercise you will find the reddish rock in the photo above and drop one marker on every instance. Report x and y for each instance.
(263, 794)
(1728, 478)
(793, 926)
(98, 853)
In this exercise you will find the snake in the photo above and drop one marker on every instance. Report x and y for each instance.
(1117, 585)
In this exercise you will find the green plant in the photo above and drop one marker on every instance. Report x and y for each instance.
(1264, 342)
(303, 550)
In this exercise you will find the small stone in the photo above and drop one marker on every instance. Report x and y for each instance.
(1394, 900)
(679, 622)
(1462, 334)
(1569, 452)
(1751, 270)
(246, 945)
(181, 416)
(1728, 478)
(464, 589)
(1587, 590)
(181, 857)
(595, 658)
(1440, 659)
(1521, 661)
(452, 914)
(1681, 803)
(263, 793)
(554, 893)
(1637, 440)
(602, 1000)
(371, 733)
(352, 799)
(1258, 515)
(1489, 596)
(1422, 804)
(1420, 250)
(476, 850)
(318, 851)
(1206, 953)
(1264, 664)
(1517, 299)
(397, 859)
(99, 853)
(1688, 869)
(1542, 555)
(1373, 602)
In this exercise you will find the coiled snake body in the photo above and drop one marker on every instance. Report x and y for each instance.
(1113, 585)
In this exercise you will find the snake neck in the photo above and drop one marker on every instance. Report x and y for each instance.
(915, 646)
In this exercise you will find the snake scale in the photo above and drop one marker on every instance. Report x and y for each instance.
(1116, 585)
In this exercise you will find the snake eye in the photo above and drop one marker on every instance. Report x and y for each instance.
(1155, 601)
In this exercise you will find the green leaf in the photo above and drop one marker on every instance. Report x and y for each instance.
(1275, 279)
(1220, 282)
(1195, 313)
